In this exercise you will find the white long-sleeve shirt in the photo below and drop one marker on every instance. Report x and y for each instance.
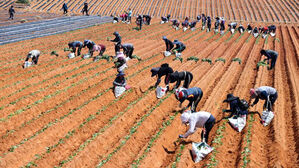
(33, 53)
(197, 120)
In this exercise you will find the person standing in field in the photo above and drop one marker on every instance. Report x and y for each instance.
(64, 8)
(11, 12)
(85, 9)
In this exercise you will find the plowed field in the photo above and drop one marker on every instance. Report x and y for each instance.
(63, 112)
(285, 11)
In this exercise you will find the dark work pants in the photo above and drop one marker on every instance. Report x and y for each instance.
(272, 101)
(187, 80)
(273, 61)
(11, 16)
(195, 103)
(130, 53)
(208, 127)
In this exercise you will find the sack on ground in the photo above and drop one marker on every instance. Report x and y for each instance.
(162, 22)
(114, 21)
(264, 35)
(200, 150)
(122, 68)
(71, 55)
(249, 31)
(178, 54)
(185, 28)
(119, 90)
(85, 56)
(238, 123)
(167, 53)
(267, 117)
(97, 58)
(177, 28)
(160, 91)
(27, 64)
(233, 31)
(255, 35)
(272, 34)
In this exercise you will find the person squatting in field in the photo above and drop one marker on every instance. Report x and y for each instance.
(271, 55)
(272, 29)
(175, 23)
(120, 80)
(120, 62)
(147, 19)
(168, 43)
(164, 70)
(128, 49)
(76, 44)
(232, 26)
(209, 23)
(193, 95)
(203, 21)
(192, 25)
(181, 76)
(196, 120)
(216, 24)
(165, 19)
(89, 44)
(222, 26)
(241, 29)
(267, 93)
(236, 107)
(249, 28)
(180, 47)
(117, 42)
(34, 55)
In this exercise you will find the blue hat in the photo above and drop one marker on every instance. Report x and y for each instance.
(120, 74)
(176, 41)
(164, 37)
(116, 33)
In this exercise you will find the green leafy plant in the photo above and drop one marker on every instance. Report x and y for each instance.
(220, 59)
(68, 49)
(217, 142)
(261, 63)
(54, 53)
(135, 28)
(136, 57)
(23, 1)
(105, 57)
(207, 60)
(237, 60)
(23, 20)
(192, 58)
(108, 38)
(178, 58)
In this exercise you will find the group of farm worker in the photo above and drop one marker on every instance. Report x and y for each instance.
(219, 25)
(126, 17)
(195, 119)
(201, 119)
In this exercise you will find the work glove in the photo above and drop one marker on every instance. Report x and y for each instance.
(181, 136)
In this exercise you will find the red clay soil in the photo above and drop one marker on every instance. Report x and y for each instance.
(25, 15)
(233, 10)
(74, 120)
